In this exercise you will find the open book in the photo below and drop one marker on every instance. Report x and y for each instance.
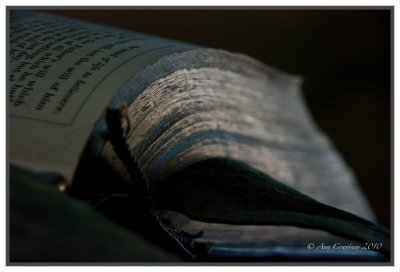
(219, 146)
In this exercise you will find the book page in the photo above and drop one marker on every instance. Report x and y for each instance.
(62, 75)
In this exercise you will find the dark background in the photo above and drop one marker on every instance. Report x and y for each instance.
(343, 55)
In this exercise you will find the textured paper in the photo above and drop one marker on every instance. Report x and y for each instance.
(62, 74)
